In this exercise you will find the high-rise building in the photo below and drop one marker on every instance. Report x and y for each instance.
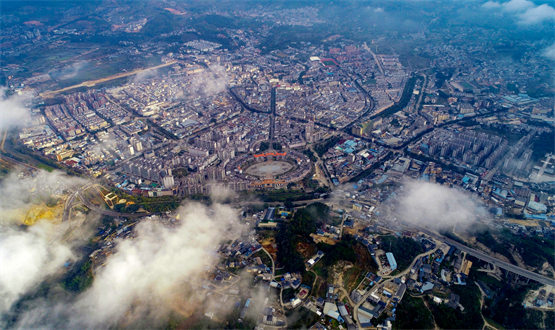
(168, 181)
(138, 146)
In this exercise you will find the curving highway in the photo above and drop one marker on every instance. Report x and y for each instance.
(79, 193)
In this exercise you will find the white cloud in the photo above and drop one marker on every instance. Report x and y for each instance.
(379, 10)
(157, 271)
(71, 71)
(491, 5)
(525, 11)
(29, 255)
(518, 5)
(436, 206)
(13, 112)
(26, 258)
(18, 195)
(549, 52)
(144, 75)
(537, 15)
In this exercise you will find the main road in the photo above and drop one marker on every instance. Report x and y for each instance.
(375, 58)
(272, 115)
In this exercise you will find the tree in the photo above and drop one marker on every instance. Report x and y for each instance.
(119, 207)
(133, 208)
(303, 223)
(264, 146)
(288, 204)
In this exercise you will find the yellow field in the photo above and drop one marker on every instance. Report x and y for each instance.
(524, 222)
(30, 215)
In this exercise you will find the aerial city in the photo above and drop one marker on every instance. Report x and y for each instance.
(255, 164)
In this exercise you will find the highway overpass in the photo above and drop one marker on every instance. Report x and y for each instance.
(492, 260)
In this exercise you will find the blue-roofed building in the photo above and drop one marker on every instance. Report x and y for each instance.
(391, 260)
(382, 179)
(427, 287)
(537, 207)
(501, 193)
(270, 212)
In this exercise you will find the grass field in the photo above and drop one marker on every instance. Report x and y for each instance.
(481, 276)
(320, 288)
(45, 167)
(493, 323)
(308, 278)
(466, 85)
(319, 267)
(280, 271)
(304, 319)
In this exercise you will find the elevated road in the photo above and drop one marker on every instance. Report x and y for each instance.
(102, 211)
(492, 260)
(70, 202)
(67, 207)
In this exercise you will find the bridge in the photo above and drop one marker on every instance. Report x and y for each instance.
(492, 260)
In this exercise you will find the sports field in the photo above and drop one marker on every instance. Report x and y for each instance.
(269, 169)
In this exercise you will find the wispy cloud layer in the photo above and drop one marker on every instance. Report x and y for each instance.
(549, 52)
(13, 112)
(524, 11)
(146, 277)
(437, 206)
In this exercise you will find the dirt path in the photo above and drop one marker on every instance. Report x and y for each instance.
(273, 264)
(428, 307)
(407, 270)
(346, 294)
(486, 324)
(315, 279)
